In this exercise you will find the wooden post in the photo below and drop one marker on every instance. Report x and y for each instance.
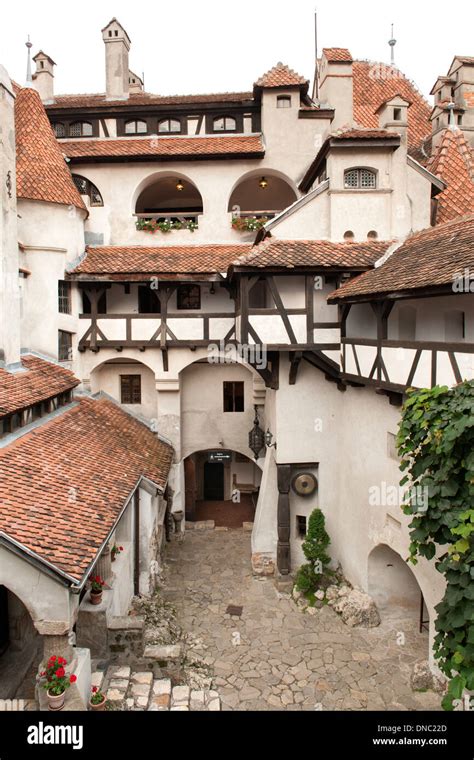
(283, 549)
(136, 558)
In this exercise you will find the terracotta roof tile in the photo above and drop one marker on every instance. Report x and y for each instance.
(453, 162)
(64, 485)
(281, 76)
(39, 381)
(41, 171)
(97, 100)
(337, 55)
(374, 84)
(364, 134)
(166, 147)
(433, 257)
(183, 259)
(311, 253)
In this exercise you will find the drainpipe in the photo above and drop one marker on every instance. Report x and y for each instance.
(136, 514)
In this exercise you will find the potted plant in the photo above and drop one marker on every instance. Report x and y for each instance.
(56, 681)
(97, 585)
(97, 700)
(115, 551)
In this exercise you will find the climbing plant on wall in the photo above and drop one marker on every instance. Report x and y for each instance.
(436, 444)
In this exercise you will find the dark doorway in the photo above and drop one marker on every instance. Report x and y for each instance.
(4, 627)
(213, 481)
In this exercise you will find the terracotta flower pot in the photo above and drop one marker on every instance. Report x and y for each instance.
(96, 597)
(56, 701)
(99, 707)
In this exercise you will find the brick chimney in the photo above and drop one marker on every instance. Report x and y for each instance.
(335, 73)
(43, 77)
(117, 46)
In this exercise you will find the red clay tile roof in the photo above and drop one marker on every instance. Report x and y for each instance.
(363, 134)
(453, 161)
(41, 171)
(98, 100)
(64, 485)
(183, 259)
(311, 253)
(281, 76)
(41, 380)
(374, 84)
(433, 257)
(165, 147)
(337, 55)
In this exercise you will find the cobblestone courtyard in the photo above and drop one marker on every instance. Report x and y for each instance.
(276, 657)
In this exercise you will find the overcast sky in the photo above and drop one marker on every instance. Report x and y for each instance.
(196, 46)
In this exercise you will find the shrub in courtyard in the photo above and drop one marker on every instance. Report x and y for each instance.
(317, 541)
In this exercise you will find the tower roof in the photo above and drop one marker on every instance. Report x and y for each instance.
(41, 172)
(281, 76)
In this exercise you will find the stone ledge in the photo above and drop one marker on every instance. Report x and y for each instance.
(126, 623)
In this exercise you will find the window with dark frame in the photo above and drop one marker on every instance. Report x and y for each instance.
(86, 187)
(284, 101)
(64, 297)
(189, 297)
(360, 179)
(234, 396)
(136, 127)
(148, 301)
(224, 124)
(130, 389)
(171, 126)
(301, 526)
(59, 129)
(81, 129)
(64, 346)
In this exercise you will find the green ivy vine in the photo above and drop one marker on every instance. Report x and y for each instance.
(436, 444)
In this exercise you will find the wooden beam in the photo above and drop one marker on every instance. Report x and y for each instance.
(295, 361)
(279, 304)
(283, 519)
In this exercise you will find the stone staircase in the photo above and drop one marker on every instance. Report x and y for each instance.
(139, 691)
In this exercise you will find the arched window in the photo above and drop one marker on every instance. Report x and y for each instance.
(80, 129)
(86, 187)
(372, 235)
(225, 124)
(59, 129)
(360, 179)
(136, 127)
(349, 236)
(169, 125)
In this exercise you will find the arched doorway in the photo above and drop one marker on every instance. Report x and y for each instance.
(396, 591)
(221, 486)
(20, 648)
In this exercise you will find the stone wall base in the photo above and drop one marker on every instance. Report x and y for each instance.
(263, 564)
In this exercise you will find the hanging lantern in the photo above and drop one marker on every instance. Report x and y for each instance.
(263, 183)
(256, 437)
(179, 186)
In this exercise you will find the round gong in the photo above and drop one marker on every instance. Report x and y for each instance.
(304, 484)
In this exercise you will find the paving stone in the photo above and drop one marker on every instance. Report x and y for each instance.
(162, 686)
(119, 683)
(180, 693)
(143, 678)
(115, 696)
(142, 702)
(161, 701)
(120, 671)
(141, 690)
(214, 705)
(180, 708)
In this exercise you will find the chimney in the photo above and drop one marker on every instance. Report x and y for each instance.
(336, 84)
(117, 45)
(44, 76)
(9, 263)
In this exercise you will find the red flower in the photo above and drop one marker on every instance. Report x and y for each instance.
(43, 673)
(60, 673)
(73, 678)
(94, 689)
(121, 548)
(52, 658)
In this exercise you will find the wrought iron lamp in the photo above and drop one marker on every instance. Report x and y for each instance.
(263, 183)
(256, 437)
(269, 439)
(179, 186)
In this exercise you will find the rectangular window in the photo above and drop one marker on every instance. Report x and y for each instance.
(64, 346)
(301, 526)
(189, 297)
(233, 397)
(148, 301)
(130, 389)
(284, 101)
(64, 297)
